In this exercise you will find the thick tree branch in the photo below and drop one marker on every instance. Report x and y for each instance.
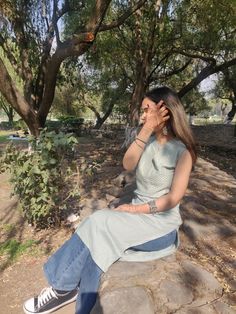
(24, 50)
(10, 56)
(79, 43)
(165, 57)
(74, 46)
(14, 97)
(47, 45)
(8, 88)
(54, 21)
(207, 71)
(97, 16)
(177, 71)
(53, 67)
(195, 56)
(65, 8)
(94, 110)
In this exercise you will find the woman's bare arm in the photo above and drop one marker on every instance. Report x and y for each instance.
(177, 191)
(155, 115)
(135, 150)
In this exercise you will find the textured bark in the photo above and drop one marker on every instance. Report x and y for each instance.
(101, 120)
(136, 100)
(143, 53)
(230, 80)
(17, 101)
(231, 113)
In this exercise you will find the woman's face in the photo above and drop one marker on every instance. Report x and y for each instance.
(147, 104)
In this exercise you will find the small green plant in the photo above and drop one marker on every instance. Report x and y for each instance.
(42, 177)
(89, 168)
(13, 248)
(7, 228)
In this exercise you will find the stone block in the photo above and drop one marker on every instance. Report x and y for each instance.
(176, 293)
(124, 301)
(200, 280)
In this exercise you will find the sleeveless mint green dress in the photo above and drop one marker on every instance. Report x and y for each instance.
(109, 234)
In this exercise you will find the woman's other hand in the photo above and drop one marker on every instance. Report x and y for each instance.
(126, 208)
(133, 209)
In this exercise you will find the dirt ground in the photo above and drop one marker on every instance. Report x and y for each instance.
(25, 277)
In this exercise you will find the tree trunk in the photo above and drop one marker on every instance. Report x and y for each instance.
(17, 101)
(136, 100)
(143, 54)
(8, 111)
(99, 123)
(10, 115)
(101, 120)
(231, 114)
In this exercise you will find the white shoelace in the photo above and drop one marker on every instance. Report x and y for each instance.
(45, 295)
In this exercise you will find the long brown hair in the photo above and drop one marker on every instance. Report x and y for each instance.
(177, 124)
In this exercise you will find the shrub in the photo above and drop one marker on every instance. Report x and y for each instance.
(53, 125)
(42, 177)
(17, 125)
(20, 125)
(4, 125)
(67, 124)
(71, 119)
(71, 124)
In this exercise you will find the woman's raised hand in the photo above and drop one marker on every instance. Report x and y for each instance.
(156, 116)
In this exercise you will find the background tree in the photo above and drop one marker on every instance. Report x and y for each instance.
(207, 36)
(174, 43)
(195, 103)
(229, 85)
(160, 42)
(30, 32)
(8, 110)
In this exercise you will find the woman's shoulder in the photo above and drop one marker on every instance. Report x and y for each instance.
(177, 142)
(179, 146)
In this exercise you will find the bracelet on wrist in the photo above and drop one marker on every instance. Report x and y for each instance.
(137, 138)
(138, 144)
(152, 207)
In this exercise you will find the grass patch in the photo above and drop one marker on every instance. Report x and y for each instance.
(12, 248)
(7, 228)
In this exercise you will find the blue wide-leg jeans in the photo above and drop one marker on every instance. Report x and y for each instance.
(72, 266)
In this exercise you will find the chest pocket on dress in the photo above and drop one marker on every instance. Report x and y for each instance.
(168, 167)
(168, 164)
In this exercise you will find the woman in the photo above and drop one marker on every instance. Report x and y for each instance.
(163, 154)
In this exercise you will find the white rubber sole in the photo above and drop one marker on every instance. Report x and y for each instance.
(55, 308)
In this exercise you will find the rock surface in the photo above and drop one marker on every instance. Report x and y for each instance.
(168, 285)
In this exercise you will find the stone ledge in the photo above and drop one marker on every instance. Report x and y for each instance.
(168, 285)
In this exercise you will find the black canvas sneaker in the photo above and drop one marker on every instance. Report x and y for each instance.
(48, 301)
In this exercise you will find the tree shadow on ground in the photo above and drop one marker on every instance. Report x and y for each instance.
(17, 236)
